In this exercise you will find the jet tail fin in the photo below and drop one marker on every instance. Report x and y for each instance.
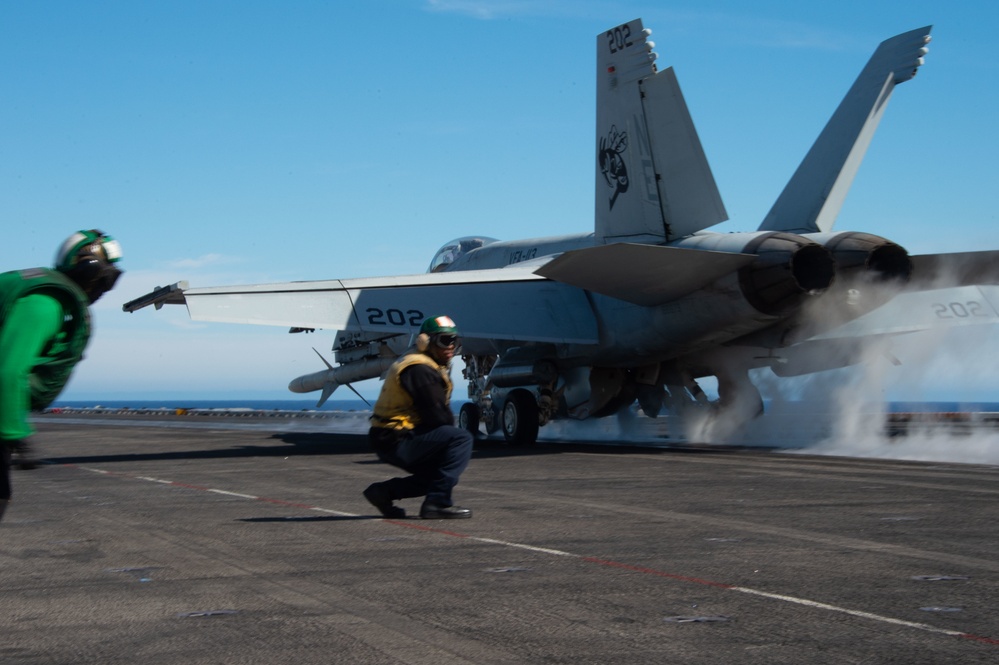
(653, 182)
(813, 197)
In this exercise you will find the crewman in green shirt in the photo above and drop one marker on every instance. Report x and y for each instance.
(44, 328)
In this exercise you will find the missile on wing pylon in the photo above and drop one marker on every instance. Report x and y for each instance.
(332, 378)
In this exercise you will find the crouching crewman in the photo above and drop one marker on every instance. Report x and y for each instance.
(412, 427)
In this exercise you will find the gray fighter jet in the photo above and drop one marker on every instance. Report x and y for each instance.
(648, 303)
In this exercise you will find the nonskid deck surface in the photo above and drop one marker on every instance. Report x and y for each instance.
(205, 544)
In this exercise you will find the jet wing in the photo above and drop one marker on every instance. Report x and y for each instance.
(956, 269)
(924, 310)
(906, 313)
(969, 296)
(642, 274)
(511, 303)
(944, 290)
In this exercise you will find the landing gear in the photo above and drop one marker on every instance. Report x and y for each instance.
(520, 418)
(488, 416)
(479, 410)
(739, 403)
(738, 398)
(468, 418)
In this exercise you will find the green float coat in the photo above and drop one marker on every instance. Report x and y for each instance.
(44, 328)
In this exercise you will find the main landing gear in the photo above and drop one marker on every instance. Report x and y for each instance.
(520, 418)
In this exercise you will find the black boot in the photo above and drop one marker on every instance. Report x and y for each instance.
(430, 511)
(379, 497)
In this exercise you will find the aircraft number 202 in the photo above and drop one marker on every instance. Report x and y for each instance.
(958, 310)
(619, 38)
(394, 317)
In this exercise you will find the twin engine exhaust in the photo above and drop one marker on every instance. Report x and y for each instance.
(790, 268)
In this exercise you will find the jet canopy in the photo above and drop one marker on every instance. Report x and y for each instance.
(455, 249)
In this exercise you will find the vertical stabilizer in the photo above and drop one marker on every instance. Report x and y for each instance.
(813, 197)
(653, 183)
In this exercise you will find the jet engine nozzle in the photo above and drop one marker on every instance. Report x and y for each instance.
(864, 256)
(788, 269)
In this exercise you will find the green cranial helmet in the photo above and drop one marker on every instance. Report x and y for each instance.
(90, 259)
(439, 325)
(438, 332)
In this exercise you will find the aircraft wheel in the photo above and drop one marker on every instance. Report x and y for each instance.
(468, 418)
(491, 420)
(520, 419)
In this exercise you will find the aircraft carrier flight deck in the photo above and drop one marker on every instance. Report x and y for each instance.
(247, 540)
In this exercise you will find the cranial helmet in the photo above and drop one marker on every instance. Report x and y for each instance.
(439, 330)
(88, 258)
(437, 325)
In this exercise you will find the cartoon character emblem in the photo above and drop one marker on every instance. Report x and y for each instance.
(612, 164)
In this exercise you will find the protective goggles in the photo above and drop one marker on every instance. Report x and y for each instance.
(445, 341)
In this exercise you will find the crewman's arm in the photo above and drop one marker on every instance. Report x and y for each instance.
(32, 322)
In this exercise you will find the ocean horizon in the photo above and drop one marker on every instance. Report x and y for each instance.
(218, 404)
(340, 405)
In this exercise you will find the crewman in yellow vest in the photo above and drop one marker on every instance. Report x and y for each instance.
(412, 427)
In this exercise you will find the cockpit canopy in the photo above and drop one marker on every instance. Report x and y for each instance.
(455, 249)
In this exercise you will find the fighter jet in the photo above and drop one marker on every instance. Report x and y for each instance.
(649, 302)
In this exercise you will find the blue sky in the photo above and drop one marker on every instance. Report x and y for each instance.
(250, 141)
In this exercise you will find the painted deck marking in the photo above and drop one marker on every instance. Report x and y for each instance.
(589, 559)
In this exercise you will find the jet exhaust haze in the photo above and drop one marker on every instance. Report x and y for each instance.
(837, 413)
(842, 412)
(845, 411)
(857, 422)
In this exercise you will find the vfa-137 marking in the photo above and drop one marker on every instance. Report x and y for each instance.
(649, 302)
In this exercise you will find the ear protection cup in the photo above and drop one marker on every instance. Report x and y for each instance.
(422, 342)
(88, 258)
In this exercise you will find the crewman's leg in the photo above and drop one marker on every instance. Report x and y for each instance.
(436, 459)
(26, 453)
(4, 476)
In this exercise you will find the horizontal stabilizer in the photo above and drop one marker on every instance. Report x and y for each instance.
(642, 274)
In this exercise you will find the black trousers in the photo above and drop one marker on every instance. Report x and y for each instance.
(5, 449)
(435, 459)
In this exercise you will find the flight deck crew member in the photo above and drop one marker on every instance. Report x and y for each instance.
(44, 328)
(412, 427)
